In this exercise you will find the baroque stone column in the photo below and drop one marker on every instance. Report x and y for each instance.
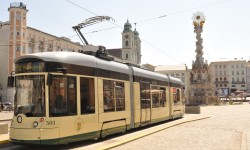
(201, 89)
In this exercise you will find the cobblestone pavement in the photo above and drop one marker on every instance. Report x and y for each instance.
(229, 126)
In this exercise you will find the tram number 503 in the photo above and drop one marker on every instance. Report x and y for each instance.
(51, 122)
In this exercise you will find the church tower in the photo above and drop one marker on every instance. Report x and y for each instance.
(18, 28)
(131, 44)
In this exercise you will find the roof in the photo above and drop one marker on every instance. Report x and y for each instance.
(115, 52)
(225, 60)
(170, 67)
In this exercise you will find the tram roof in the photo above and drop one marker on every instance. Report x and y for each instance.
(77, 59)
(92, 61)
(154, 75)
(176, 80)
(149, 74)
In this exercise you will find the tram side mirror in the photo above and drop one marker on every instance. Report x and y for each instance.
(49, 79)
(10, 82)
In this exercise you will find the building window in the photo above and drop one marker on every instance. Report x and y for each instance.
(224, 66)
(215, 66)
(242, 66)
(232, 72)
(225, 79)
(220, 85)
(220, 79)
(183, 79)
(242, 72)
(237, 66)
(24, 50)
(220, 66)
(18, 48)
(126, 56)
(126, 43)
(30, 50)
(237, 72)
(232, 66)
(216, 79)
(216, 85)
(225, 85)
(17, 33)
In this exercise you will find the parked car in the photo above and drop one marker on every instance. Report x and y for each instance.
(7, 106)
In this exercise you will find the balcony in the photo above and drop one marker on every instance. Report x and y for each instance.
(221, 82)
(238, 82)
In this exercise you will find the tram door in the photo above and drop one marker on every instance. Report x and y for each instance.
(145, 102)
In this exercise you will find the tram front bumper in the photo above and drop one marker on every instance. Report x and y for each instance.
(35, 136)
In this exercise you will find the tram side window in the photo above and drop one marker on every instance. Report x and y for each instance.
(145, 95)
(155, 94)
(62, 96)
(176, 95)
(87, 95)
(162, 97)
(71, 95)
(113, 96)
(120, 96)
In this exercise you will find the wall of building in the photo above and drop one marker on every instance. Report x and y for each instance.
(248, 76)
(229, 75)
(4, 48)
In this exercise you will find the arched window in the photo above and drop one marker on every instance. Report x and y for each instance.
(126, 43)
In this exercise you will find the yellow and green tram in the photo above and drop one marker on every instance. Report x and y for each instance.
(63, 97)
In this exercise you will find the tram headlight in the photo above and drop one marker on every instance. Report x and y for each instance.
(35, 124)
(19, 119)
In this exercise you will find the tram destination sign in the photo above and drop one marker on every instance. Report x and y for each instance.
(29, 67)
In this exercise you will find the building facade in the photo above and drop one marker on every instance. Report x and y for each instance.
(230, 76)
(131, 44)
(248, 76)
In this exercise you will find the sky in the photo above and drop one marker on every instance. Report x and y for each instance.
(165, 26)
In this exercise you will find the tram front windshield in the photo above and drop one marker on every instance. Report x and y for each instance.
(30, 95)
